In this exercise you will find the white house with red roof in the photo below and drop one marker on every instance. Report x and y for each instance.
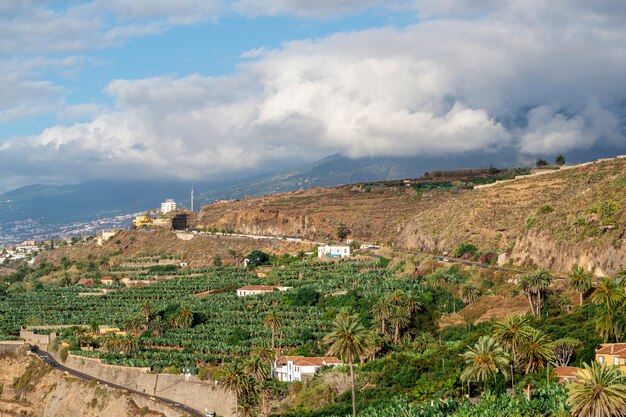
(300, 368)
(259, 289)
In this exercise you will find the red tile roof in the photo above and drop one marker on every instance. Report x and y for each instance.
(310, 361)
(566, 373)
(617, 349)
(259, 288)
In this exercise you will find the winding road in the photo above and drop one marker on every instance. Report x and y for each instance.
(50, 361)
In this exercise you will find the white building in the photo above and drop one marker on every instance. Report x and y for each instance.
(168, 205)
(259, 289)
(300, 368)
(333, 252)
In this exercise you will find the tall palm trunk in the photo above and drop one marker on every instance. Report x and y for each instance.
(273, 336)
(581, 298)
(353, 390)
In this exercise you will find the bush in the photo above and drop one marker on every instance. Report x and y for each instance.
(63, 354)
(258, 258)
(545, 209)
(464, 248)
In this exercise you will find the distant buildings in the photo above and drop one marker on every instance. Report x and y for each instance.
(106, 235)
(168, 205)
(333, 252)
(258, 289)
(300, 368)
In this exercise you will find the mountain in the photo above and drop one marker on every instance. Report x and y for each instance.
(555, 218)
(336, 170)
(91, 200)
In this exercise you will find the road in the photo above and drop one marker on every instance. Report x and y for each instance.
(478, 264)
(49, 360)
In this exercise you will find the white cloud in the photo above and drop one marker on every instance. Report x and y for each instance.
(514, 75)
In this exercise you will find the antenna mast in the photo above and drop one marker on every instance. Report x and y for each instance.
(192, 196)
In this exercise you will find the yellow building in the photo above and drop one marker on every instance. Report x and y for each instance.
(612, 354)
(142, 221)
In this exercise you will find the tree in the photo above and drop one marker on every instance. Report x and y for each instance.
(258, 258)
(217, 260)
(272, 321)
(564, 350)
(600, 393)
(464, 248)
(559, 160)
(349, 340)
(536, 350)
(241, 384)
(468, 293)
(147, 310)
(484, 361)
(580, 280)
(343, 231)
(610, 295)
(541, 163)
(381, 312)
(512, 332)
(535, 286)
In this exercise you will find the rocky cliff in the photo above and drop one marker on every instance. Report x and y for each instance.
(557, 220)
(30, 388)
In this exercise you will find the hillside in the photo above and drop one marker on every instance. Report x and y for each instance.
(567, 217)
(30, 388)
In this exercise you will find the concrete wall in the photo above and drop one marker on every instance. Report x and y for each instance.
(11, 346)
(37, 339)
(195, 393)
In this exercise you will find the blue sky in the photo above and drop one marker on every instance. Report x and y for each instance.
(216, 89)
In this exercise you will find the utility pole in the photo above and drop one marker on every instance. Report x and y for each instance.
(192, 196)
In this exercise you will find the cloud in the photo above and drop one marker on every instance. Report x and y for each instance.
(511, 76)
(307, 8)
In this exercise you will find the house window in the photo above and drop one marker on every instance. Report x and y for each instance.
(601, 360)
(615, 360)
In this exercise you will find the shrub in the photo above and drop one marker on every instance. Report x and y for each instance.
(464, 248)
(546, 208)
(258, 258)
(63, 354)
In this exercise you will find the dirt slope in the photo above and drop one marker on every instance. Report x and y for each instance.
(554, 220)
(30, 388)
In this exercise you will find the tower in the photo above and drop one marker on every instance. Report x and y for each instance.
(192, 196)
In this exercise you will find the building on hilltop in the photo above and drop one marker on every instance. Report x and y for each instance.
(333, 252)
(300, 368)
(168, 205)
(259, 289)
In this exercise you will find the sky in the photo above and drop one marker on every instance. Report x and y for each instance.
(218, 89)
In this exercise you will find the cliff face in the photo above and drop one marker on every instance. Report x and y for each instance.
(30, 388)
(570, 217)
(567, 218)
(369, 214)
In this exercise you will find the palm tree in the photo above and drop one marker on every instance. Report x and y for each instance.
(349, 340)
(468, 293)
(536, 350)
(158, 326)
(272, 321)
(257, 367)
(535, 286)
(380, 310)
(580, 280)
(147, 310)
(184, 319)
(610, 295)
(512, 332)
(128, 344)
(235, 379)
(484, 361)
(600, 393)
